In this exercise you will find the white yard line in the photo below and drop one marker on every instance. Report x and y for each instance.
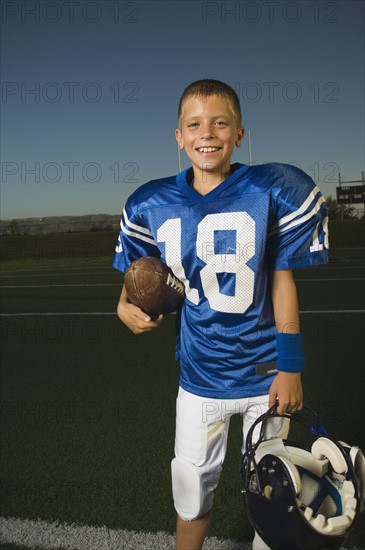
(58, 286)
(314, 311)
(46, 535)
(58, 274)
(60, 313)
(333, 279)
(65, 313)
(112, 271)
(119, 284)
(54, 535)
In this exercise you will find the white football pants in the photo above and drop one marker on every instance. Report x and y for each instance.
(202, 426)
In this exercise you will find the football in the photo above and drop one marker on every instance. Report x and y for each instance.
(153, 287)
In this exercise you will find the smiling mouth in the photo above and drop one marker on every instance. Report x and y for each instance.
(208, 149)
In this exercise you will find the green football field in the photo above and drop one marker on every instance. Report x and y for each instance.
(87, 408)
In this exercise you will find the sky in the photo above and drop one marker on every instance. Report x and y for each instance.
(89, 92)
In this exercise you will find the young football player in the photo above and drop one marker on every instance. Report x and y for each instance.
(232, 233)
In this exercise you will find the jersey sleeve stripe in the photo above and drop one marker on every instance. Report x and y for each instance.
(285, 219)
(316, 245)
(299, 219)
(119, 248)
(139, 228)
(146, 239)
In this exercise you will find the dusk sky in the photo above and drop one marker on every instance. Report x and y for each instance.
(90, 92)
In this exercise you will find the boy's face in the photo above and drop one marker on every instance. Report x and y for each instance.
(208, 132)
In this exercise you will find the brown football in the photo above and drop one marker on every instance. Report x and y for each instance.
(153, 287)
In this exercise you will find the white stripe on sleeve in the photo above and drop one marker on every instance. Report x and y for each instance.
(296, 217)
(146, 239)
(139, 228)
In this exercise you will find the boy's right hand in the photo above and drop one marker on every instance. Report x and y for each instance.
(134, 318)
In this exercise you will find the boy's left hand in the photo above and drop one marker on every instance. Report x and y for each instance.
(286, 391)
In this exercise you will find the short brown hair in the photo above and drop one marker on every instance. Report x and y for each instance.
(208, 87)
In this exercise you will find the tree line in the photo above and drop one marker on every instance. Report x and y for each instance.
(335, 212)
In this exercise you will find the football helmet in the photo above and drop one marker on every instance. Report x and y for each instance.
(302, 496)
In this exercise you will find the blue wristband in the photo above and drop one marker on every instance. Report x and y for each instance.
(290, 352)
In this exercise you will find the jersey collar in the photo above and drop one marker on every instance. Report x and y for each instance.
(185, 178)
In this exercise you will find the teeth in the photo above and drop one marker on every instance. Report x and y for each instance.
(208, 149)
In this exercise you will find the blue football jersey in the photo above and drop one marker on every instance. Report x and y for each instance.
(222, 246)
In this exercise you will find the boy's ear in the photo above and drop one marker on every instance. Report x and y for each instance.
(179, 138)
(240, 134)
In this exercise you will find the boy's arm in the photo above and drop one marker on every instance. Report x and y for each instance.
(133, 317)
(286, 388)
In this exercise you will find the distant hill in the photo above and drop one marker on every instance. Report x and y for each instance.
(60, 224)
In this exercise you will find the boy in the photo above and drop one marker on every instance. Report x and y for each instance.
(232, 234)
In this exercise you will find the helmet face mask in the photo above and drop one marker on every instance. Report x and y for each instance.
(299, 497)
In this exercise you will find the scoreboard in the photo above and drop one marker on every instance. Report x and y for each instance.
(350, 194)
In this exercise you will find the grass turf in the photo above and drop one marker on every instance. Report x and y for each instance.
(88, 408)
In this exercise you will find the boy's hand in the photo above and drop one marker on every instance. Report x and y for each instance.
(134, 318)
(286, 391)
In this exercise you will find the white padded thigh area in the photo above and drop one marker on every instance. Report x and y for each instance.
(193, 489)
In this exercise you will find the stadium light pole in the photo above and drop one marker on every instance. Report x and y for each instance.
(178, 157)
(249, 148)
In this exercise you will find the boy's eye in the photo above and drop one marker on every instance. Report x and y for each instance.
(216, 123)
